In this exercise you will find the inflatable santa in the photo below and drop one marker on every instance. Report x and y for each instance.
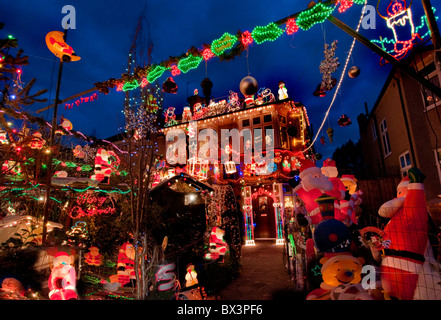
(313, 184)
(408, 269)
(338, 191)
(62, 281)
(352, 200)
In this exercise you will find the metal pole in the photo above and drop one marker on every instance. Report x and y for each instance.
(433, 27)
(426, 83)
(51, 143)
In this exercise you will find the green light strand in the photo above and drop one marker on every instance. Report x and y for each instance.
(269, 32)
(191, 62)
(226, 41)
(155, 73)
(317, 14)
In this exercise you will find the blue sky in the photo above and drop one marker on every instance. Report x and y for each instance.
(105, 29)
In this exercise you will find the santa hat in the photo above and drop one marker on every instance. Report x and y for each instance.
(348, 177)
(403, 183)
(307, 167)
(61, 254)
(329, 163)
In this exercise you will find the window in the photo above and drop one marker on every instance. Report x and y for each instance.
(429, 98)
(246, 123)
(374, 131)
(284, 137)
(282, 119)
(256, 120)
(267, 118)
(385, 137)
(405, 163)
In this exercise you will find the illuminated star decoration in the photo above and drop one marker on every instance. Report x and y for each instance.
(316, 270)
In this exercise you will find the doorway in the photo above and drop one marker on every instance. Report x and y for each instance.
(264, 218)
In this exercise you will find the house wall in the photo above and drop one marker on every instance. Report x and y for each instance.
(410, 129)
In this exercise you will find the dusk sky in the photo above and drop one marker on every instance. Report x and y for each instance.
(105, 29)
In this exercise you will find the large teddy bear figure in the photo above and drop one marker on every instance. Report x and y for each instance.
(341, 271)
(341, 276)
(408, 268)
(313, 184)
(62, 281)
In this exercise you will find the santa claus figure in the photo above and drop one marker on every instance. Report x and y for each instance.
(186, 115)
(93, 257)
(329, 169)
(313, 184)
(104, 166)
(62, 281)
(408, 269)
(37, 141)
(218, 246)
(352, 200)
(126, 264)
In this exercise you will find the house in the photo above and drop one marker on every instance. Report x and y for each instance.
(403, 129)
(253, 146)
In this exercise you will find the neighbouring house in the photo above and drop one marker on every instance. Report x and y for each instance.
(403, 128)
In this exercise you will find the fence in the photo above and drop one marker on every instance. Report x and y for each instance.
(375, 193)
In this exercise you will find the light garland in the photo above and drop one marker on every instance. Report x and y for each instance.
(270, 32)
(191, 62)
(226, 41)
(339, 82)
(305, 20)
(317, 14)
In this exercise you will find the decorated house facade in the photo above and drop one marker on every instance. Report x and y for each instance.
(253, 147)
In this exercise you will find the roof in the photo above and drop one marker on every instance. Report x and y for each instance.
(182, 176)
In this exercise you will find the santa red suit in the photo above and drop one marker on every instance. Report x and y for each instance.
(338, 191)
(348, 207)
(93, 258)
(126, 264)
(218, 246)
(405, 270)
(312, 186)
(104, 166)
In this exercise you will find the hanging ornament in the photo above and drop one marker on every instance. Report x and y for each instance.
(170, 86)
(319, 91)
(207, 85)
(248, 86)
(344, 121)
(354, 72)
(330, 133)
(322, 140)
(329, 65)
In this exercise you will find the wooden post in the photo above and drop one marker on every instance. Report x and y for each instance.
(426, 83)
(51, 144)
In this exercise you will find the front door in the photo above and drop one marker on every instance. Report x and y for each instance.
(264, 219)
